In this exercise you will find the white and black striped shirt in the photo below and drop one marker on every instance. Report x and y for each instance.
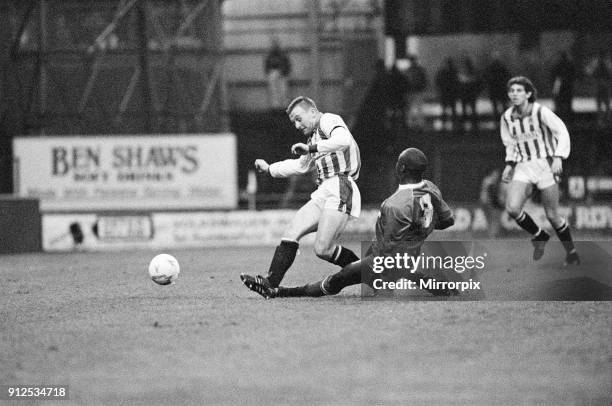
(538, 133)
(337, 152)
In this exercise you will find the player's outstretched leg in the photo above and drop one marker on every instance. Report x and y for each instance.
(518, 192)
(315, 289)
(330, 227)
(564, 234)
(283, 258)
(284, 255)
(540, 237)
(305, 221)
(331, 285)
(342, 256)
(550, 201)
(259, 285)
(539, 243)
(351, 274)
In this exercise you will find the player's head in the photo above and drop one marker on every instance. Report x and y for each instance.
(304, 114)
(520, 89)
(410, 166)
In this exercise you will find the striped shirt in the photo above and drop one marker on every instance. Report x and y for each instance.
(337, 153)
(538, 133)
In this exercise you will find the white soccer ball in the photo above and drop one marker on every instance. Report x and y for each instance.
(164, 269)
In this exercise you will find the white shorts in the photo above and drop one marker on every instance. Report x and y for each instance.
(535, 172)
(338, 193)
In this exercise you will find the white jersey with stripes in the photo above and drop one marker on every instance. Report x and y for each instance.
(537, 133)
(337, 152)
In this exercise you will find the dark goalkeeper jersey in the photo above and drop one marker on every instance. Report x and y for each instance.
(408, 216)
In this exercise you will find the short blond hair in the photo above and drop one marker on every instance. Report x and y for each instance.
(300, 100)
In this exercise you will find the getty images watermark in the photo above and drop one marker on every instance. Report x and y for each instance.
(417, 265)
(487, 270)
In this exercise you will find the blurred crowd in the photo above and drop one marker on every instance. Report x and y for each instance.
(406, 88)
(459, 83)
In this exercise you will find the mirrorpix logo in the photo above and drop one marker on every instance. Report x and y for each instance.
(425, 264)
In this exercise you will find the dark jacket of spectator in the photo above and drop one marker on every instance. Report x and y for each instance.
(417, 78)
(447, 82)
(469, 87)
(564, 76)
(398, 89)
(600, 72)
(495, 76)
(277, 59)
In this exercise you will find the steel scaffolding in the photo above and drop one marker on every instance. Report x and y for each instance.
(112, 67)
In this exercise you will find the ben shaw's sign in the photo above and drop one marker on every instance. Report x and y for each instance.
(128, 172)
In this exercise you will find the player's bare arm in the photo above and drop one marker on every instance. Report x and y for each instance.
(507, 173)
(557, 166)
(559, 130)
(301, 149)
(284, 168)
(262, 166)
(339, 140)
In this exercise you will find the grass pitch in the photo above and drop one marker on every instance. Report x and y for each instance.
(96, 322)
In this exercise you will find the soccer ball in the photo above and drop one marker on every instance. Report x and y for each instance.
(164, 269)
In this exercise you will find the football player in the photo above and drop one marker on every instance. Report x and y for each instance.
(332, 151)
(406, 217)
(536, 142)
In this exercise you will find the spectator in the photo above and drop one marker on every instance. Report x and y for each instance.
(376, 98)
(397, 95)
(599, 70)
(417, 83)
(447, 82)
(469, 87)
(564, 76)
(493, 200)
(372, 117)
(372, 131)
(277, 68)
(496, 75)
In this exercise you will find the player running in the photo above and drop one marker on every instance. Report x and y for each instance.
(407, 216)
(536, 142)
(334, 153)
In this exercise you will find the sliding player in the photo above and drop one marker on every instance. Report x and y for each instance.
(406, 218)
